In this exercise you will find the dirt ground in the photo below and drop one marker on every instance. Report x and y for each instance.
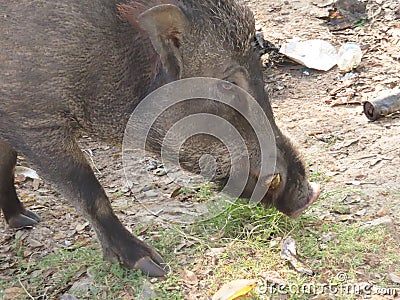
(338, 141)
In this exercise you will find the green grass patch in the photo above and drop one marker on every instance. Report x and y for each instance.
(242, 242)
(55, 274)
(242, 220)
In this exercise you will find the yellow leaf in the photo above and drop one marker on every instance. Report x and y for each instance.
(234, 289)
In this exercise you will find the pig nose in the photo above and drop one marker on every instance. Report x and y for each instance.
(315, 191)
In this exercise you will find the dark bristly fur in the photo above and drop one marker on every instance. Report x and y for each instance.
(84, 65)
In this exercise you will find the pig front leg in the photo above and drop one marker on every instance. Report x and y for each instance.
(58, 159)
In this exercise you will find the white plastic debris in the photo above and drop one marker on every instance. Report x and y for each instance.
(26, 172)
(349, 56)
(315, 54)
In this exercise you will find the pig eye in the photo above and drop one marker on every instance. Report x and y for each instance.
(228, 85)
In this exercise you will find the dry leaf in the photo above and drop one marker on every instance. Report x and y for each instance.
(36, 184)
(67, 296)
(288, 253)
(81, 227)
(215, 251)
(394, 277)
(176, 192)
(273, 277)
(34, 243)
(189, 277)
(234, 289)
(13, 293)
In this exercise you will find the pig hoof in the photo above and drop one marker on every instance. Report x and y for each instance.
(135, 254)
(31, 215)
(152, 265)
(149, 267)
(25, 219)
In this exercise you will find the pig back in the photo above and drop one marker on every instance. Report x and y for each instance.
(74, 62)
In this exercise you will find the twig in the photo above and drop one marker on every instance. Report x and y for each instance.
(23, 287)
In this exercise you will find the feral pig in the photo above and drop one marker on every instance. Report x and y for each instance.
(83, 66)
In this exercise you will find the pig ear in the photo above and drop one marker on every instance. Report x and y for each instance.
(165, 25)
(273, 181)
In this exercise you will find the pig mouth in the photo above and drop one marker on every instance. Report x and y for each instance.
(315, 191)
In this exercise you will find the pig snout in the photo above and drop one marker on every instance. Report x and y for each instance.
(315, 191)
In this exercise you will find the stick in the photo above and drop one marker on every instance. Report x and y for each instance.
(25, 290)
